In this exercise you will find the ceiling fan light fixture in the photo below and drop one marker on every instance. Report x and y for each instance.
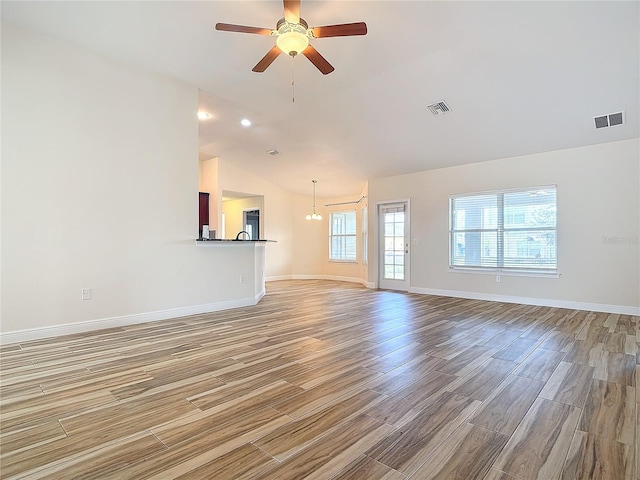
(292, 42)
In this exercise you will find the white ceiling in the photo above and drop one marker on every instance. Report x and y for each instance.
(520, 77)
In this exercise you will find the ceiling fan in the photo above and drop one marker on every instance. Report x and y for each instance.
(292, 37)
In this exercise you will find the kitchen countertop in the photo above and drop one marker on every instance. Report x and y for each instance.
(230, 240)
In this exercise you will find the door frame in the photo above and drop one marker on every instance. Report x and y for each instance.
(244, 219)
(380, 247)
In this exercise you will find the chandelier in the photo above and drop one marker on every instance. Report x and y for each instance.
(314, 215)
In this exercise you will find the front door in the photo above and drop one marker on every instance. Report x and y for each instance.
(393, 242)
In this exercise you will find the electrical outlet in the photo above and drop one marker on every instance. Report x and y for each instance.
(497, 278)
(86, 294)
(241, 278)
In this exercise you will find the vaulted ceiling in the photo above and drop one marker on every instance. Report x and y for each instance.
(520, 78)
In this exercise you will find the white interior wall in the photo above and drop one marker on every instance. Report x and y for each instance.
(276, 215)
(234, 214)
(99, 190)
(302, 248)
(598, 199)
(311, 248)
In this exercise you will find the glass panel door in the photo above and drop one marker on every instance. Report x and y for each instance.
(394, 246)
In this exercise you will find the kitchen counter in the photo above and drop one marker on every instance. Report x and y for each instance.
(249, 262)
(229, 240)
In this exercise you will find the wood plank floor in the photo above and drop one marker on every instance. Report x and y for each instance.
(330, 380)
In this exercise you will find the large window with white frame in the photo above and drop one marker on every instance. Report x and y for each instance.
(342, 236)
(510, 230)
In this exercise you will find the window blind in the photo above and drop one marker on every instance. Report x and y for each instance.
(342, 236)
(504, 230)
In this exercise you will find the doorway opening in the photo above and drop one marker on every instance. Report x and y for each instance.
(251, 222)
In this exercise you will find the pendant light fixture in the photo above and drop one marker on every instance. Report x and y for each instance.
(314, 215)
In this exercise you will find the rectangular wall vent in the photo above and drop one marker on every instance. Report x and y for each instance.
(439, 108)
(609, 120)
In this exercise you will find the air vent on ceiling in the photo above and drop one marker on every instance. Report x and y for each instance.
(609, 120)
(273, 151)
(439, 108)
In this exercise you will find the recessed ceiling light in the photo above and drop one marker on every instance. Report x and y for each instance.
(203, 115)
(245, 122)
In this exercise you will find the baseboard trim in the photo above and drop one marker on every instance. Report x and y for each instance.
(20, 336)
(322, 277)
(542, 302)
(27, 335)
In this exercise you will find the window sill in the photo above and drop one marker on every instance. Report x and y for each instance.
(343, 261)
(505, 273)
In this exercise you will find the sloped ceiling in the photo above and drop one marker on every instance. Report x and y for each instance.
(520, 78)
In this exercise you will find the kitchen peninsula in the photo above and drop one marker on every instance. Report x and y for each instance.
(250, 265)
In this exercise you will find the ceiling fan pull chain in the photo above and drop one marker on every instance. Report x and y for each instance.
(293, 80)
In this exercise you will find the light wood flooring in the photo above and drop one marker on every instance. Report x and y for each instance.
(330, 380)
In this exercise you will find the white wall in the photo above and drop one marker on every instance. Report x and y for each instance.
(310, 251)
(311, 246)
(208, 183)
(234, 214)
(99, 190)
(302, 247)
(598, 199)
(276, 215)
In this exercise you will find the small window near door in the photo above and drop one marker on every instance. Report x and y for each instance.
(342, 236)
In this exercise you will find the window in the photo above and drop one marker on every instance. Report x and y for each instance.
(342, 236)
(365, 234)
(512, 230)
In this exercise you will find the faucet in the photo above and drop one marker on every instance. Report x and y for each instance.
(240, 233)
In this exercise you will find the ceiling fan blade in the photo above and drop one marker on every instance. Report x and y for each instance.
(343, 30)
(292, 11)
(267, 60)
(228, 27)
(318, 60)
